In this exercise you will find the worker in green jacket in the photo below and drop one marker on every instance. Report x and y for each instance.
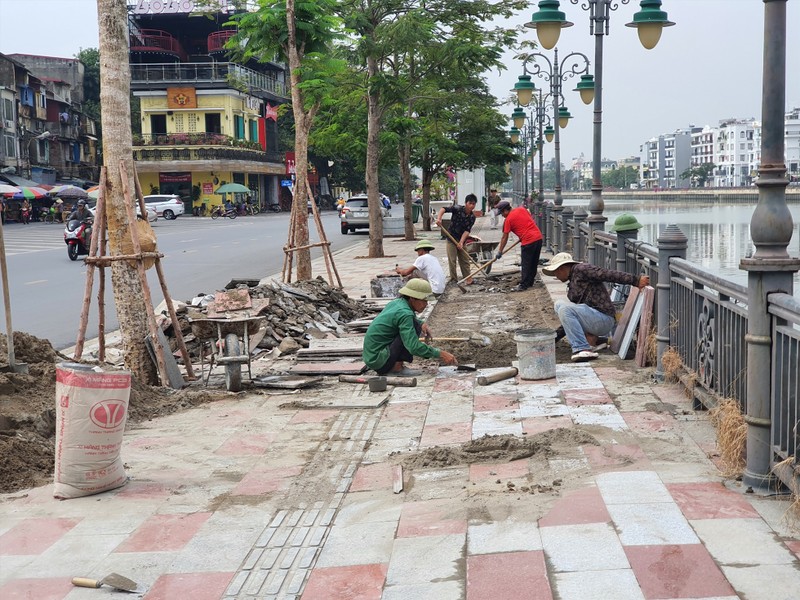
(393, 336)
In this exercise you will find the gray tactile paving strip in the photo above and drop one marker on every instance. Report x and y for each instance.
(279, 564)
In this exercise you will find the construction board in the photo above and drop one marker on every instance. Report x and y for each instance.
(649, 294)
(329, 368)
(630, 329)
(622, 326)
(288, 382)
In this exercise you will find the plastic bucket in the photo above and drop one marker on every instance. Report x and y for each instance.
(536, 350)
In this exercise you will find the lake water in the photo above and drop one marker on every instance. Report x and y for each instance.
(719, 235)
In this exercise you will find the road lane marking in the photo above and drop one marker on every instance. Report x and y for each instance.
(38, 281)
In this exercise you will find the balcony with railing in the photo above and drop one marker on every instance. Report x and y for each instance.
(210, 75)
(198, 147)
(218, 39)
(154, 41)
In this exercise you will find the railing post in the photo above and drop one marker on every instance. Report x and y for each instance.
(566, 217)
(578, 247)
(548, 224)
(556, 211)
(622, 241)
(671, 242)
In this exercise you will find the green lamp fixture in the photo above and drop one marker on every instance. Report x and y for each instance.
(548, 21)
(563, 117)
(514, 133)
(518, 116)
(586, 88)
(549, 132)
(649, 22)
(524, 89)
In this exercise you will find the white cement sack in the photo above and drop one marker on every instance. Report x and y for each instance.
(91, 412)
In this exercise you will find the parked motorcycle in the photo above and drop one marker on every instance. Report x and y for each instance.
(221, 211)
(25, 215)
(76, 235)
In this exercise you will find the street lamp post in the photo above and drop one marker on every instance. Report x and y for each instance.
(548, 22)
(536, 117)
(555, 74)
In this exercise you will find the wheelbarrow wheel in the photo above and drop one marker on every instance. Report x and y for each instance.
(233, 371)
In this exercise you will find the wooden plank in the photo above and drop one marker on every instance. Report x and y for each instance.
(397, 479)
(329, 368)
(630, 330)
(286, 382)
(646, 320)
(622, 326)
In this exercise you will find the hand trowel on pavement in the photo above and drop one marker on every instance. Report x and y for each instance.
(114, 580)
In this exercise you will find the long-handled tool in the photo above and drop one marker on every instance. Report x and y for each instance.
(396, 381)
(476, 338)
(499, 376)
(479, 269)
(455, 241)
(114, 580)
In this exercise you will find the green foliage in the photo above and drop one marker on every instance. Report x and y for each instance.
(699, 175)
(90, 57)
(619, 178)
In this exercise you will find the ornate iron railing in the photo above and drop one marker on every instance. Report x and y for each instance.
(219, 73)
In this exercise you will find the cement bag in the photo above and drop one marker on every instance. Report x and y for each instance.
(91, 411)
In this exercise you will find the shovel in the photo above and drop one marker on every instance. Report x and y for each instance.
(114, 580)
(479, 269)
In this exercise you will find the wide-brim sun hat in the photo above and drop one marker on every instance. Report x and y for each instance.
(424, 245)
(417, 288)
(559, 260)
(625, 222)
(502, 205)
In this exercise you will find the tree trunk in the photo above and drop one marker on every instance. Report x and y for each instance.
(404, 158)
(373, 150)
(132, 311)
(302, 126)
(427, 179)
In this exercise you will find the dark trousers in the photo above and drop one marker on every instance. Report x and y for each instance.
(398, 352)
(530, 262)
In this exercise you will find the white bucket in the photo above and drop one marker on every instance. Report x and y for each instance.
(536, 350)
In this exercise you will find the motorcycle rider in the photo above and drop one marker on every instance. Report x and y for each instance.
(81, 213)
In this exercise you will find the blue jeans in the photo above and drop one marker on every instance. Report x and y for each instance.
(580, 319)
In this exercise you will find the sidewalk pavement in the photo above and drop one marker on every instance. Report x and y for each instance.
(251, 497)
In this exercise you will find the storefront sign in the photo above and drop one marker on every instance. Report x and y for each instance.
(175, 178)
(166, 7)
(289, 163)
(252, 103)
(271, 112)
(208, 188)
(286, 183)
(183, 97)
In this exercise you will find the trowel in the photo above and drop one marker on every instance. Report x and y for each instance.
(114, 580)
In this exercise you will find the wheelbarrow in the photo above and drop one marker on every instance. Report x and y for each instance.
(230, 339)
(480, 251)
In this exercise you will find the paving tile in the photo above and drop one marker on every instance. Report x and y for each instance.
(542, 407)
(547, 388)
(605, 415)
(50, 588)
(358, 544)
(630, 487)
(567, 465)
(34, 536)
(433, 484)
(583, 547)
(445, 434)
(794, 547)
(431, 517)
(509, 535)
(369, 507)
(498, 422)
(313, 416)
(741, 542)
(356, 582)
(453, 384)
(443, 559)
(616, 456)
(244, 445)
(710, 500)
(518, 575)
(764, 582)
(70, 555)
(649, 524)
(577, 507)
(677, 571)
(377, 476)
(534, 425)
(586, 396)
(162, 533)
(619, 584)
(440, 590)
(649, 422)
(263, 480)
(483, 402)
(491, 472)
(197, 586)
(145, 490)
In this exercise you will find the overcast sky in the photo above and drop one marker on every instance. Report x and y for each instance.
(705, 68)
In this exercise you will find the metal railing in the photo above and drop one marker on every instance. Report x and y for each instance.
(218, 73)
(199, 153)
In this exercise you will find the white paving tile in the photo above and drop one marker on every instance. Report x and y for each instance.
(496, 423)
(632, 487)
(568, 465)
(651, 524)
(605, 415)
(369, 507)
(541, 391)
(360, 544)
(441, 590)
(442, 555)
(503, 536)
(619, 584)
(742, 542)
(541, 407)
(764, 582)
(592, 546)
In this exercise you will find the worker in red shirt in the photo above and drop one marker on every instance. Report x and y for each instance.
(520, 222)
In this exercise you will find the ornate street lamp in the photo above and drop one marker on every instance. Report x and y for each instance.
(548, 22)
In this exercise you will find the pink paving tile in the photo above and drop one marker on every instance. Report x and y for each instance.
(677, 571)
(532, 425)
(710, 501)
(794, 547)
(405, 411)
(494, 402)
(144, 490)
(510, 470)
(453, 384)
(577, 508)
(228, 418)
(552, 381)
(377, 476)
(649, 422)
(445, 434)
(615, 455)
(36, 589)
(431, 517)
(358, 582)
(582, 397)
(34, 536)
(244, 445)
(673, 394)
(197, 586)
(152, 443)
(518, 575)
(164, 533)
(313, 416)
(265, 480)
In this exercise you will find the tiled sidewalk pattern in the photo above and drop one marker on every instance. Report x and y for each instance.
(247, 499)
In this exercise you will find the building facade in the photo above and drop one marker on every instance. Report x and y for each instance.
(205, 120)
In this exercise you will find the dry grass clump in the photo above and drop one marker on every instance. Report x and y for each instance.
(672, 363)
(728, 420)
(651, 347)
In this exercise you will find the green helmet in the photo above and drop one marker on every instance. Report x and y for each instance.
(626, 222)
(424, 245)
(417, 288)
